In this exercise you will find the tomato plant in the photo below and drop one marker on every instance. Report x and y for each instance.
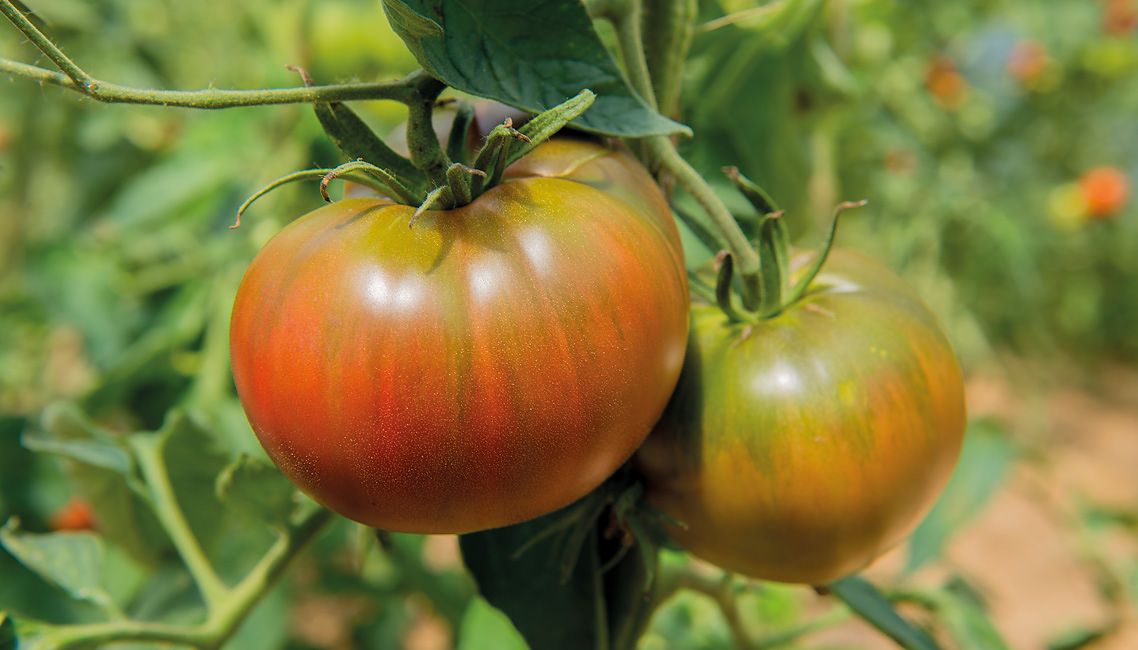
(800, 445)
(492, 363)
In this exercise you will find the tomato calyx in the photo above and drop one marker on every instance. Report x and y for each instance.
(431, 177)
(775, 293)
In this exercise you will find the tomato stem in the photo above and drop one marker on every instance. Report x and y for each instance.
(668, 26)
(148, 450)
(663, 153)
(213, 98)
(426, 154)
(626, 17)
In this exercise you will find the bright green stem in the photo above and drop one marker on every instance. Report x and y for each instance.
(627, 21)
(803, 284)
(223, 618)
(426, 154)
(668, 26)
(721, 587)
(664, 154)
(80, 78)
(266, 573)
(148, 450)
(774, 257)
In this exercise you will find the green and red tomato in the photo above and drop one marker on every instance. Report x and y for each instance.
(800, 447)
(491, 364)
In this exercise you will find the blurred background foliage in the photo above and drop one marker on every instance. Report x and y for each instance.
(970, 126)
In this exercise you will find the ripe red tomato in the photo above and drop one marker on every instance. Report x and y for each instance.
(491, 364)
(1105, 191)
(944, 81)
(75, 515)
(800, 450)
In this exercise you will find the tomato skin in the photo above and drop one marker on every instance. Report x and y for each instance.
(487, 366)
(802, 450)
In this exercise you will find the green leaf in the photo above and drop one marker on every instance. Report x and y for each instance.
(72, 435)
(548, 613)
(107, 480)
(984, 461)
(868, 603)
(72, 561)
(519, 570)
(483, 626)
(257, 488)
(531, 55)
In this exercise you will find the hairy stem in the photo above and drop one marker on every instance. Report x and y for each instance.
(212, 98)
(426, 154)
(721, 587)
(80, 78)
(626, 17)
(664, 155)
(222, 620)
(148, 450)
(661, 153)
(668, 26)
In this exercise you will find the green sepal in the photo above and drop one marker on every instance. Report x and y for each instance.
(458, 179)
(506, 145)
(803, 283)
(774, 265)
(493, 155)
(380, 180)
(547, 123)
(723, 290)
(440, 198)
(358, 142)
(756, 195)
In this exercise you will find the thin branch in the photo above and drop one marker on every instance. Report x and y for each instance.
(664, 154)
(626, 16)
(80, 78)
(221, 623)
(148, 451)
(215, 98)
(739, 16)
(75, 78)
